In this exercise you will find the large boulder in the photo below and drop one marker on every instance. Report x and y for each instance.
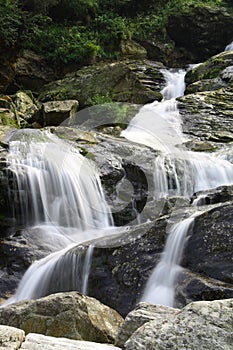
(192, 29)
(105, 83)
(199, 325)
(69, 315)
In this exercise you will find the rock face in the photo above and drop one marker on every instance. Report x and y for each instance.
(69, 315)
(193, 28)
(31, 72)
(209, 248)
(208, 115)
(113, 82)
(200, 325)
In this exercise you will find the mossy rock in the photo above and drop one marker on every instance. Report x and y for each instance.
(212, 74)
(115, 81)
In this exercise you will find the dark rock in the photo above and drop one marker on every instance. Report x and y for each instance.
(32, 72)
(194, 287)
(193, 28)
(209, 248)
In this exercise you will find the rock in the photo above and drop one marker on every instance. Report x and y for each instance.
(102, 83)
(26, 107)
(192, 28)
(194, 287)
(209, 249)
(144, 312)
(7, 66)
(215, 73)
(208, 115)
(31, 72)
(7, 117)
(11, 338)
(199, 325)
(218, 195)
(38, 342)
(55, 112)
(69, 315)
(131, 49)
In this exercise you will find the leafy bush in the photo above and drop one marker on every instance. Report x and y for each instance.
(65, 45)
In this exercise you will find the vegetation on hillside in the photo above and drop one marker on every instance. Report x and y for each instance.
(81, 31)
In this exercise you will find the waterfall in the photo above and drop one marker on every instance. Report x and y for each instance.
(59, 192)
(54, 184)
(229, 47)
(177, 172)
(160, 288)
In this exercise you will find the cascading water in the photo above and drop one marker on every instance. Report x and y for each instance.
(58, 192)
(160, 286)
(177, 172)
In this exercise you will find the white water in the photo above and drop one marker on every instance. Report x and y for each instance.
(158, 124)
(60, 195)
(177, 172)
(229, 47)
(160, 286)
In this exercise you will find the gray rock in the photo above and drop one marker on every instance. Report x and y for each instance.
(69, 315)
(55, 112)
(38, 342)
(200, 325)
(11, 338)
(208, 115)
(144, 312)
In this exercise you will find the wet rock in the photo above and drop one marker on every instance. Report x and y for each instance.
(209, 248)
(105, 83)
(69, 315)
(199, 325)
(194, 287)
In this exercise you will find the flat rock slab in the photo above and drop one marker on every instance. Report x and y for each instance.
(38, 342)
(11, 338)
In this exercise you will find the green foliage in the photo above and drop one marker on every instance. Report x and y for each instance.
(65, 45)
(100, 99)
(78, 31)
